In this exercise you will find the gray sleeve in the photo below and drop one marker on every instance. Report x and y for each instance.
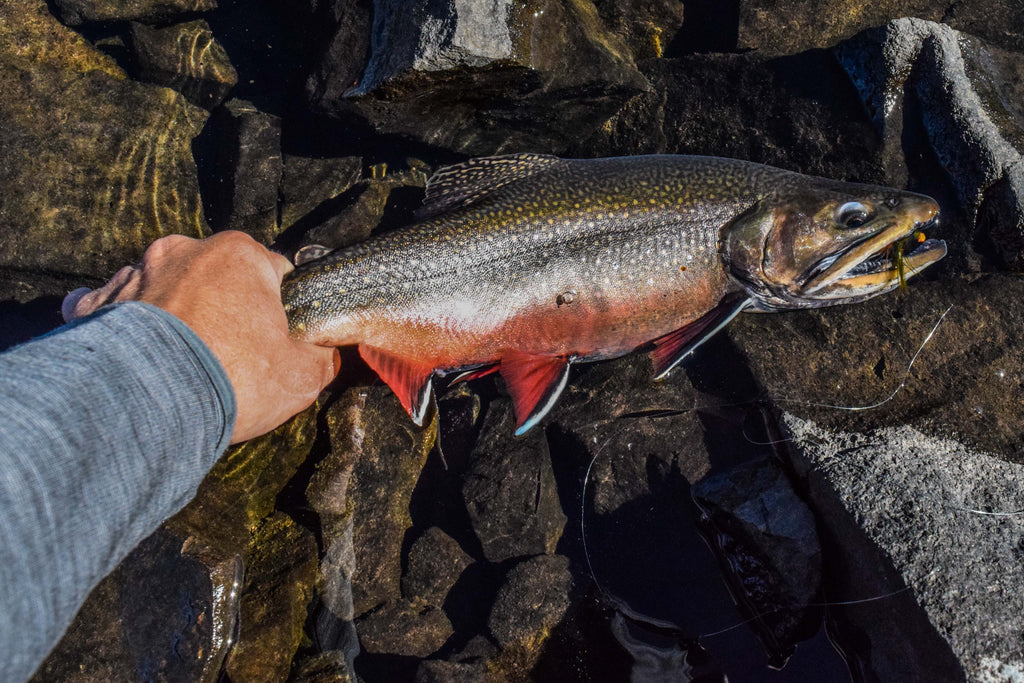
(107, 426)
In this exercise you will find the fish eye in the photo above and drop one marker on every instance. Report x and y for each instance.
(852, 215)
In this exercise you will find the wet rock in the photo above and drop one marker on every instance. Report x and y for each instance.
(279, 577)
(308, 183)
(365, 206)
(75, 12)
(343, 60)
(767, 534)
(404, 628)
(435, 563)
(164, 612)
(510, 490)
(326, 667)
(448, 81)
(367, 481)
(947, 518)
(962, 92)
(250, 168)
(184, 57)
(964, 383)
(469, 665)
(96, 166)
(648, 28)
(533, 600)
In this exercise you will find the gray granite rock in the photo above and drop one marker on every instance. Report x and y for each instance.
(404, 628)
(968, 111)
(533, 600)
(950, 521)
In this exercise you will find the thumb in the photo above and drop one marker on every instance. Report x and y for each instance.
(324, 363)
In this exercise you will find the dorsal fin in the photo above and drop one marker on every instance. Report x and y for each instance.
(411, 381)
(454, 186)
(672, 348)
(534, 383)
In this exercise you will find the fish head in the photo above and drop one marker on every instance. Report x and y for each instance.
(828, 244)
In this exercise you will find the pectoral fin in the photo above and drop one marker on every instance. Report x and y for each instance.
(412, 382)
(535, 382)
(671, 349)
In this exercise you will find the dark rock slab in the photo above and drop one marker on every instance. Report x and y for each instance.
(948, 519)
(96, 166)
(75, 12)
(250, 168)
(404, 628)
(472, 664)
(648, 27)
(963, 384)
(963, 95)
(309, 182)
(510, 491)
(184, 57)
(344, 57)
(533, 600)
(326, 667)
(768, 535)
(435, 563)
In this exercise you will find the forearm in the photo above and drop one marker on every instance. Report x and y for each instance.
(106, 429)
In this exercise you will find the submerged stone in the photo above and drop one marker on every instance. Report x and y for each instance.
(435, 563)
(96, 166)
(184, 57)
(404, 628)
(75, 12)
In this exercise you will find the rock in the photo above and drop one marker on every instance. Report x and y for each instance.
(163, 613)
(184, 57)
(615, 416)
(403, 628)
(533, 600)
(767, 534)
(960, 92)
(435, 563)
(648, 27)
(343, 60)
(75, 12)
(326, 667)
(472, 664)
(448, 82)
(948, 519)
(108, 168)
(309, 183)
(510, 490)
(279, 577)
(367, 480)
(963, 384)
(250, 169)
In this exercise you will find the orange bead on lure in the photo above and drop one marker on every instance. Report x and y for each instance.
(525, 264)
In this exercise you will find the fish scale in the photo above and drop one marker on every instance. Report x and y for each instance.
(525, 264)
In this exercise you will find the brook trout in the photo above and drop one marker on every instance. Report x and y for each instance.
(526, 264)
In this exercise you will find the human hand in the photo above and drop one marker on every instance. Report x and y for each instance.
(227, 289)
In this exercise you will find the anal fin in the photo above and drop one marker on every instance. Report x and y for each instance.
(411, 381)
(535, 383)
(671, 349)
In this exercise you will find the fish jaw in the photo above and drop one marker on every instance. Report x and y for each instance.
(836, 244)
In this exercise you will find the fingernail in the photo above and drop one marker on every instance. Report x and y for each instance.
(67, 307)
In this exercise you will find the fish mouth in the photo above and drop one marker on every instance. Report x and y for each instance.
(876, 262)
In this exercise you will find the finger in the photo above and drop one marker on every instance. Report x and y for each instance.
(282, 266)
(324, 363)
(67, 307)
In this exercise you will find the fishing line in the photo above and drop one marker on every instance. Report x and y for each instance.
(895, 391)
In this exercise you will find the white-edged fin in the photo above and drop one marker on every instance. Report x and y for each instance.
(454, 186)
(671, 349)
(411, 381)
(535, 383)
